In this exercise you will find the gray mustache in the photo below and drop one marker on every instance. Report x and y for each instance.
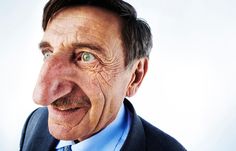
(70, 100)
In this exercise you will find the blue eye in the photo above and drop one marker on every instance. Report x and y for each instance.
(47, 54)
(87, 57)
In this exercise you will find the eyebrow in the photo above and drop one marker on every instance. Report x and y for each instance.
(76, 45)
(44, 44)
(92, 46)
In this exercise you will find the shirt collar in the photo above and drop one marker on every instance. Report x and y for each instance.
(116, 132)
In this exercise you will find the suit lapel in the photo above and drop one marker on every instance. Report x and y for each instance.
(36, 134)
(43, 139)
(136, 137)
(44, 142)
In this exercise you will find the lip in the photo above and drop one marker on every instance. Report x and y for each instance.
(65, 110)
(67, 115)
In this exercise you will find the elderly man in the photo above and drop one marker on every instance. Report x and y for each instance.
(95, 54)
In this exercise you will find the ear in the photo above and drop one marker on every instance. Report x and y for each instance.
(139, 70)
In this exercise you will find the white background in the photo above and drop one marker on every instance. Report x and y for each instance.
(189, 91)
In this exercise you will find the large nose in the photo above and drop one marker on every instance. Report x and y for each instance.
(53, 80)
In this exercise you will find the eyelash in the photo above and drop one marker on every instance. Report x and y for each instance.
(80, 56)
(46, 51)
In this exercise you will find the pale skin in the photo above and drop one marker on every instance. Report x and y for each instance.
(83, 80)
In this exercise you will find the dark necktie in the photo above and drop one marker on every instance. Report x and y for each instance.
(65, 148)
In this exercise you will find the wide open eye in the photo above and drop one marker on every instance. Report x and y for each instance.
(87, 57)
(46, 54)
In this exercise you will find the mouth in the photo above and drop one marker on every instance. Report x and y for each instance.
(67, 115)
(69, 109)
(66, 109)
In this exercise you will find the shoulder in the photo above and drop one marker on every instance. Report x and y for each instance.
(38, 115)
(33, 119)
(143, 136)
(35, 126)
(37, 118)
(156, 138)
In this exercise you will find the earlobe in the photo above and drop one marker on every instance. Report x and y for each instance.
(139, 71)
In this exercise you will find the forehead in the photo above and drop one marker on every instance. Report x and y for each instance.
(84, 22)
(91, 12)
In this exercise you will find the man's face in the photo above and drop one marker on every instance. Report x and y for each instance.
(83, 79)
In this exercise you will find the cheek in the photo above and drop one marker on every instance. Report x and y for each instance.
(112, 82)
(96, 82)
(93, 89)
(98, 87)
(91, 85)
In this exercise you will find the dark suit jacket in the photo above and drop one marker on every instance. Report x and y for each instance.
(142, 135)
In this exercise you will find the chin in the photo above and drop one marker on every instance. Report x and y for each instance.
(61, 132)
(66, 133)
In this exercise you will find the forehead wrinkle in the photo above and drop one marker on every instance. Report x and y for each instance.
(58, 30)
(83, 19)
(73, 42)
(87, 12)
(86, 16)
(79, 19)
